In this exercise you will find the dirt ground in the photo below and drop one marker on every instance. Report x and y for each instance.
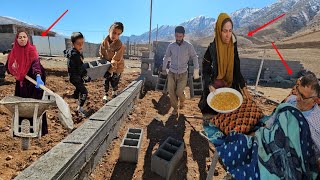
(152, 113)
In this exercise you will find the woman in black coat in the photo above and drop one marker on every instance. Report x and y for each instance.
(221, 64)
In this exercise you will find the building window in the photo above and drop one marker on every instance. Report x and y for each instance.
(6, 29)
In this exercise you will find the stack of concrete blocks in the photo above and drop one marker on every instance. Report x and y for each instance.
(97, 69)
(147, 73)
(162, 83)
(195, 85)
(167, 157)
(130, 146)
(150, 67)
(265, 77)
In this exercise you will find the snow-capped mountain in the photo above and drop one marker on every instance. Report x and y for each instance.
(305, 12)
(299, 14)
(197, 27)
(240, 15)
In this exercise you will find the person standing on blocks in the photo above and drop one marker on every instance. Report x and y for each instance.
(180, 52)
(112, 50)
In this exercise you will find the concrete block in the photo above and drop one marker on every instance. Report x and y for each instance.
(130, 85)
(104, 113)
(167, 157)
(97, 69)
(52, 163)
(84, 132)
(127, 95)
(161, 83)
(196, 86)
(197, 93)
(116, 102)
(130, 146)
(135, 130)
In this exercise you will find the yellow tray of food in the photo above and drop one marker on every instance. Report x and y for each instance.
(225, 100)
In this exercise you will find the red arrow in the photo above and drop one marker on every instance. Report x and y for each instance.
(284, 62)
(263, 26)
(44, 33)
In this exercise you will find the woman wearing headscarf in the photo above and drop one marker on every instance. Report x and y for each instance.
(221, 64)
(24, 60)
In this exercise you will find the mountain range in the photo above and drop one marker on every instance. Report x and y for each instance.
(300, 15)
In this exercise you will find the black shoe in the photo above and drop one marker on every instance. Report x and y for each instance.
(82, 112)
(75, 96)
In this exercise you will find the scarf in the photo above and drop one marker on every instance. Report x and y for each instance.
(21, 58)
(225, 53)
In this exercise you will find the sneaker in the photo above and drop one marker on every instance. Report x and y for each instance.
(105, 99)
(82, 112)
(114, 94)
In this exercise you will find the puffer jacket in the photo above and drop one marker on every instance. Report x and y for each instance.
(113, 52)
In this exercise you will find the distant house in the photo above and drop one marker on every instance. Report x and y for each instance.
(10, 26)
(52, 45)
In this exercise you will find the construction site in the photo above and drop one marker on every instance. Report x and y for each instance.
(136, 135)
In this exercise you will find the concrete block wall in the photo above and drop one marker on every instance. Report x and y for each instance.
(79, 153)
(250, 68)
(130, 146)
(90, 49)
(167, 157)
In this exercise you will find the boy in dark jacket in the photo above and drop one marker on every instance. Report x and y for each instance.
(77, 73)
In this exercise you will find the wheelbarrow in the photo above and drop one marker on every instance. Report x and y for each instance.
(26, 108)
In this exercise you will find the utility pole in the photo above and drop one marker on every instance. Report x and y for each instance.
(259, 72)
(150, 47)
(150, 22)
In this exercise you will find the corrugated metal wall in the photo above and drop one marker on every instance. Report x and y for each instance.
(42, 44)
(51, 46)
(57, 45)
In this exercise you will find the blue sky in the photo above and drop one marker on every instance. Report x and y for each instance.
(93, 17)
